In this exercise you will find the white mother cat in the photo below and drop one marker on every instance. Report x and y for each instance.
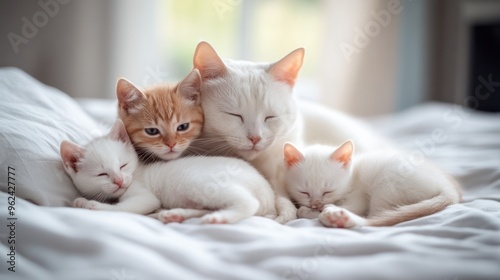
(376, 189)
(250, 113)
(220, 190)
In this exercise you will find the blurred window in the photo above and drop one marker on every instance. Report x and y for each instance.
(256, 30)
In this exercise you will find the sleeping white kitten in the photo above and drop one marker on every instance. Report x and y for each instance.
(220, 190)
(250, 113)
(376, 189)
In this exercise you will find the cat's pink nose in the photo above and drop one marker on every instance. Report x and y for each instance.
(170, 144)
(254, 139)
(317, 205)
(118, 182)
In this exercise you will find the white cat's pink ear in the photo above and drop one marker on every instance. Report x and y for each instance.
(129, 96)
(70, 155)
(208, 62)
(292, 155)
(190, 87)
(343, 154)
(119, 132)
(287, 69)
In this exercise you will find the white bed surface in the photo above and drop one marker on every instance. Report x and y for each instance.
(461, 242)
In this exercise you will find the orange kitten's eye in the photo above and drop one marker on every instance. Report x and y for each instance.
(123, 165)
(152, 131)
(183, 127)
(306, 193)
(102, 174)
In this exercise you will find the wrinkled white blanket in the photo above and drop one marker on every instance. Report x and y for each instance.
(461, 242)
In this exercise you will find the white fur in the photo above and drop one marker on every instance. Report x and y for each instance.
(251, 91)
(326, 126)
(247, 90)
(96, 162)
(377, 188)
(222, 190)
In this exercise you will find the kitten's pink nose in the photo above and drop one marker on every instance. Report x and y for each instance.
(170, 144)
(254, 139)
(118, 181)
(317, 205)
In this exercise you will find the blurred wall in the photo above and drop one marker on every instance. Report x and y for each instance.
(82, 47)
(360, 56)
(376, 56)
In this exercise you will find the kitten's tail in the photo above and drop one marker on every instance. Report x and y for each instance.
(417, 210)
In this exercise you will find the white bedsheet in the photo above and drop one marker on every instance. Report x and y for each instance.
(461, 242)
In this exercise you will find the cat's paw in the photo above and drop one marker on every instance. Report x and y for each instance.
(88, 204)
(79, 202)
(284, 218)
(214, 218)
(171, 216)
(334, 216)
(286, 209)
(270, 216)
(307, 213)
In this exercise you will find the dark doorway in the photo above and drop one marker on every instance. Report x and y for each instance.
(484, 79)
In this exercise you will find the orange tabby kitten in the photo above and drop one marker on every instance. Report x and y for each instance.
(162, 120)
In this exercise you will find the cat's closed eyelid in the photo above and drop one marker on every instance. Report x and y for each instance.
(235, 115)
(305, 193)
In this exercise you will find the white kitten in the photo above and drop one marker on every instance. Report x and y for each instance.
(250, 113)
(384, 187)
(221, 190)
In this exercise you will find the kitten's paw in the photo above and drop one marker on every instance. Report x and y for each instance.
(171, 216)
(270, 216)
(214, 218)
(79, 202)
(284, 218)
(286, 209)
(333, 216)
(89, 204)
(307, 213)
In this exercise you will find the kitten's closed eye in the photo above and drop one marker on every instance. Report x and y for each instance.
(123, 165)
(269, 118)
(235, 115)
(102, 174)
(183, 127)
(305, 193)
(325, 193)
(152, 131)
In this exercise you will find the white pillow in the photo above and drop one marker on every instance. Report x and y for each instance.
(34, 119)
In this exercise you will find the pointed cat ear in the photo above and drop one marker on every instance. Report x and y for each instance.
(208, 62)
(119, 132)
(287, 69)
(70, 155)
(343, 154)
(292, 155)
(129, 96)
(191, 85)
